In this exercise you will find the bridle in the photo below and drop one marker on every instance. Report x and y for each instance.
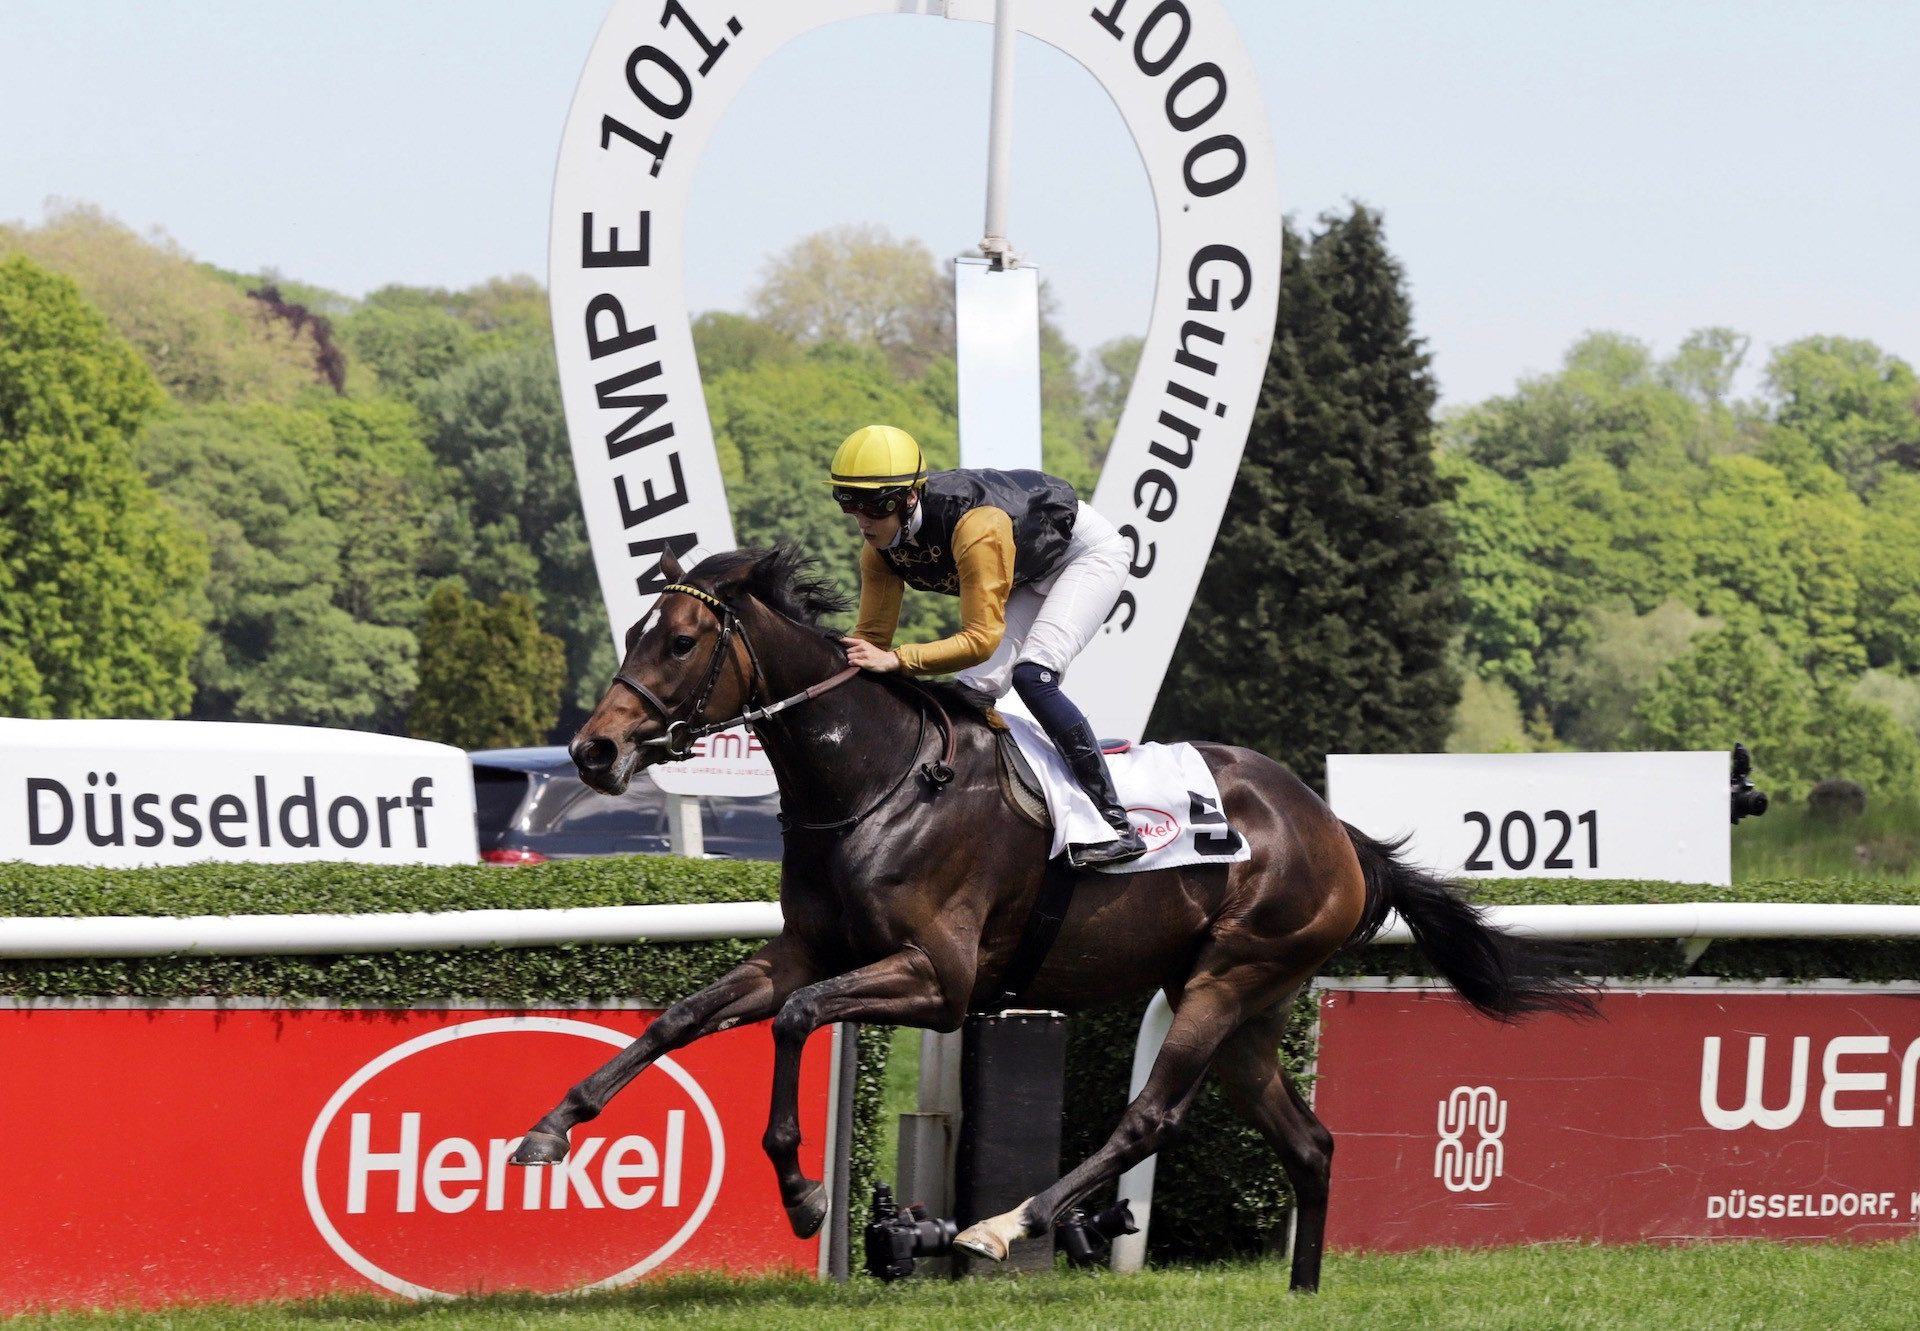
(683, 730)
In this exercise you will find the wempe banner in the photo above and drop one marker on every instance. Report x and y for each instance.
(128, 793)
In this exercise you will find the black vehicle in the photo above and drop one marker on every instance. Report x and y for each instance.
(532, 806)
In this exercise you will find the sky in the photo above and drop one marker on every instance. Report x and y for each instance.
(1543, 169)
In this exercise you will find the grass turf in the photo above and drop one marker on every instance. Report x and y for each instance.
(1748, 1286)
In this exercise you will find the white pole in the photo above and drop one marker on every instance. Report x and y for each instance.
(996, 246)
(684, 833)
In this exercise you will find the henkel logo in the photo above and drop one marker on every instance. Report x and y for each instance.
(1862, 1068)
(1481, 1110)
(406, 1174)
(1156, 827)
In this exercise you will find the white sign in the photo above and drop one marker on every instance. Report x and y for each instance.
(996, 325)
(656, 84)
(1659, 816)
(127, 793)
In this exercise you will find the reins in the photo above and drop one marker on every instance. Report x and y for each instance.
(681, 733)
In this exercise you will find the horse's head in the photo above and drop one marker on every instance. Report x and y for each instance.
(686, 661)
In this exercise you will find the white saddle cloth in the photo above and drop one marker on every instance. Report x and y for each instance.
(1169, 792)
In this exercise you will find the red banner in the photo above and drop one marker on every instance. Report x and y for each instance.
(1687, 1113)
(167, 1154)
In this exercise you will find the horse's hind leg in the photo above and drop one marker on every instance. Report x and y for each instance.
(1264, 1095)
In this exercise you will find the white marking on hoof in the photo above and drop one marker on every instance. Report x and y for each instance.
(992, 1237)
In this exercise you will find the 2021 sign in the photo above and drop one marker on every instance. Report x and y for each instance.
(1518, 829)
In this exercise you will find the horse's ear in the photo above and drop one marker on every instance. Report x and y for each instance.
(670, 568)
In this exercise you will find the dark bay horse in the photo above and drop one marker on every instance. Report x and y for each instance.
(904, 898)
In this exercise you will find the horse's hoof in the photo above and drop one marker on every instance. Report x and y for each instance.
(981, 1242)
(809, 1213)
(540, 1148)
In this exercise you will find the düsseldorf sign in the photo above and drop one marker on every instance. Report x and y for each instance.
(123, 793)
(657, 82)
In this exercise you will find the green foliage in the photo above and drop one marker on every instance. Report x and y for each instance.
(1322, 622)
(1501, 581)
(1488, 719)
(1592, 692)
(1735, 685)
(407, 347)
(859, 286)
(204, 339)
(96, 572)
(1889, 574)
(498, 424)
(489, 678)
(724, 341)
(322, 518)
(1858, 406)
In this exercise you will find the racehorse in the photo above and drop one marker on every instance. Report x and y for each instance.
(907, 878)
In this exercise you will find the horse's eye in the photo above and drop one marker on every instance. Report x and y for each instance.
(681, 645)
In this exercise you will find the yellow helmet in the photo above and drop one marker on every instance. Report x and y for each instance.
(878, 457)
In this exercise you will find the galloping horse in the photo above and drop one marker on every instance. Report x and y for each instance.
(907, 879)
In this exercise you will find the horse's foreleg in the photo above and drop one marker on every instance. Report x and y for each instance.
(902, 990)
(1206, 1014)
(751, 991)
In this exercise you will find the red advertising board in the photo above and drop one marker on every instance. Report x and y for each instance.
(177, 1153)
(1687, 1113)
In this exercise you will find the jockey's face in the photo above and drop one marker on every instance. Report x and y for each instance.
(880, 532)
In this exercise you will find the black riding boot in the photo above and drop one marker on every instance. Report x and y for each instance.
(1067, 727)
(1089, 766)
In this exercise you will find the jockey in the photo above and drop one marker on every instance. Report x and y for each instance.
(1036, 572)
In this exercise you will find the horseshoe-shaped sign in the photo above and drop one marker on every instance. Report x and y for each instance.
(661, 75)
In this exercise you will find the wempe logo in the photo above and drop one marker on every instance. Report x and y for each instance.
(407, 1177)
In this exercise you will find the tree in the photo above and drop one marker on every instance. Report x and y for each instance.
(1591, 691)
(860, 286)
(1497, 553)
(1737, 686)
(1323, 619)
(1857, 405)
(96, 572)
(322, 521)
(407, 347)
(1889, 575)
(489, 677)
(203, 339)
(498, 423)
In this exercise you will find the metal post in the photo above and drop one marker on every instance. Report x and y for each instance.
(996, 246)
(683, 826)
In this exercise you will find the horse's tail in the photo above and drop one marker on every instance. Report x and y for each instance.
(1501, 974)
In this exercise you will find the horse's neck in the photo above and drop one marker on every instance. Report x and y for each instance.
(824, 752)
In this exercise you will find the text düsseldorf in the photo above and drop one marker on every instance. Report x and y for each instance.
(258, 816)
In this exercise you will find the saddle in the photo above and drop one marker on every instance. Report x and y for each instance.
(1018, 784)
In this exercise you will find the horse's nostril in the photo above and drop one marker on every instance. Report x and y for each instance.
(596, 754)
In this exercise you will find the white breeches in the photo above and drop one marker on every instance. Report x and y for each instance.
(1049, 621)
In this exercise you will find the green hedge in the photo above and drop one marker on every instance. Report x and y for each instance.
(1219, 1191)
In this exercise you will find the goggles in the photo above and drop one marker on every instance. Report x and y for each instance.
(870, 503)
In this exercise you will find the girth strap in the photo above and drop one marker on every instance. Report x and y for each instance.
(1038, 935)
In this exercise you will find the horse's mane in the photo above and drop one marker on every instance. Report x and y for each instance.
(787, 579)
(784, 578)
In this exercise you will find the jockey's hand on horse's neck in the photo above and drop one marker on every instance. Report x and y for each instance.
(864, 654)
